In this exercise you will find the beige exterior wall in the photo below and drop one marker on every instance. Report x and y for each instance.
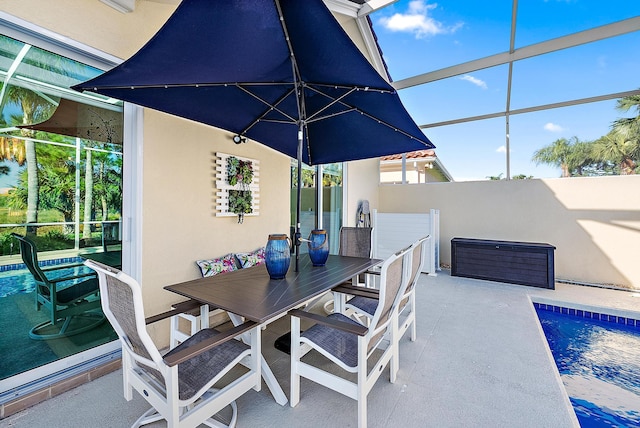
(179, 222)
(594, 222)
(94, 23)
(362, 183)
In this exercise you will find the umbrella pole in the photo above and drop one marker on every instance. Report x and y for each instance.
(299, 194)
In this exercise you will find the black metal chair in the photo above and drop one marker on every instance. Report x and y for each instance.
(72, 302)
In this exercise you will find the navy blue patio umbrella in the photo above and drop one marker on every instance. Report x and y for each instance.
(280, 72)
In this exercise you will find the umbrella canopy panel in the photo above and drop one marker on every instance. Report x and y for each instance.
(264, 69)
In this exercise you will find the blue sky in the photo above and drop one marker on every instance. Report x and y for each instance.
(420, 36)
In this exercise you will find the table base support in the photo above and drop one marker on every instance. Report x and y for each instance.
(268, 376)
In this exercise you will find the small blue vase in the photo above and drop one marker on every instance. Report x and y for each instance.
(318, 247)
(277, 256)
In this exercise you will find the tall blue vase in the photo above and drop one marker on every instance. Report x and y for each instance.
(318, 247)
(277, 256)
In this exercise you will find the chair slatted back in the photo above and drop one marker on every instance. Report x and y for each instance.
(355, 241)
(122, 305)
(417, 263)
(393, 281)
(29, 255)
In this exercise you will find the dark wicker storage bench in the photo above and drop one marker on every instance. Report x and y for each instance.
(525, 263)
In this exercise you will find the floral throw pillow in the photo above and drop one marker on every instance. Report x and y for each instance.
(253, 258)
(215, 266)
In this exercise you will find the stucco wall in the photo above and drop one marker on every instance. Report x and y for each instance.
(94, 23)
(593, 222)
(362, 184)
(179, 222)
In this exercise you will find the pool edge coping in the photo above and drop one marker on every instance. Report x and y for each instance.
(607, 310)
(552, 362)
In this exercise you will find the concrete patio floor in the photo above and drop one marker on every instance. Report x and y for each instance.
(480, 360)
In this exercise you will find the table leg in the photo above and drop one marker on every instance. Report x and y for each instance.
(268, 376)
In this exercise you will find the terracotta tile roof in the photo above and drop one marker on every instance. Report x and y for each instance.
(412, 155)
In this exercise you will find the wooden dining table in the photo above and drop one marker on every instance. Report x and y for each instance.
(251, 294)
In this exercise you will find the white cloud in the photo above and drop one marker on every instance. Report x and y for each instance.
(552, 127)
(480, 83)
(416, 20)
(501, 149)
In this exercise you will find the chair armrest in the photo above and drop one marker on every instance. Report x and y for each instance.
(69, 278)
(371, 293)
(189, 352)
(360, 330)
(187, 305)
(178, 308)
(162, 315)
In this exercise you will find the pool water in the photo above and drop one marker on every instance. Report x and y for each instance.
(20, 281)
(599, 363)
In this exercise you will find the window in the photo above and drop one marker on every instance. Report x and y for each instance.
(61, 162)
(320, 205)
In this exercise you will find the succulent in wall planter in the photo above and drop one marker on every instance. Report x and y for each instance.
(239, 171)
(240, 203)
(240, 174)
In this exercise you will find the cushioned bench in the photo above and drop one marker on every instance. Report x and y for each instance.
(196, 315)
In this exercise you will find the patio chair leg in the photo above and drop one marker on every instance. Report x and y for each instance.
(362, 388)
(362, 404)
(414, 330)
(394, 364)
(294, 395)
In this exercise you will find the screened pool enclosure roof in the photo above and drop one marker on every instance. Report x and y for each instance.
(511, 77)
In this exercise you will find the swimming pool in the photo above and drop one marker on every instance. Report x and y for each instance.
(16, 279)
(598, 357)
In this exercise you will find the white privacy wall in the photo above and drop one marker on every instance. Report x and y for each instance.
(594, 222)
(393, 231)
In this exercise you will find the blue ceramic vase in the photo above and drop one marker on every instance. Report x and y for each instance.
(318, 247)
(277, 256)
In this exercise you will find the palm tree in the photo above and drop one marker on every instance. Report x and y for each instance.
(556, 154)
(581, 157)
(108, 181)
(12, 150)
(56, 181)
(629, 126)
(34, 109)
(616, 147)
(88, 195)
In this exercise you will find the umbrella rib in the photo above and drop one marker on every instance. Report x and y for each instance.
(382, 122)
(271, 106)
(356, 87)
(329, 116)
(351, 108)
(286, 122)
(333, 101)
(187, 85)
